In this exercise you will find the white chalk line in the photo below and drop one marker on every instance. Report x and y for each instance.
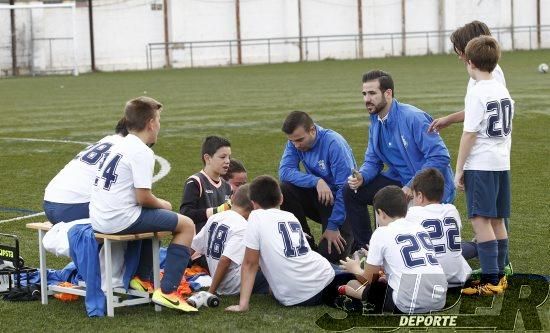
(165, 168)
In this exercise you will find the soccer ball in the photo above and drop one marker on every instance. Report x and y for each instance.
(543, 68)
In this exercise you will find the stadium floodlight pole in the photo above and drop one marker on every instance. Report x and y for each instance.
(403, 28)
(166, 35)
(300, 29)
(360, 27)
(512, 24)
(238, 23)
(91, 22)
(538, 24)
(13, 40)
(441, 25)
(75, 62)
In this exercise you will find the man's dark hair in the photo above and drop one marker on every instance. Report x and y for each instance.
(392, 201)
(241, 197)
(384, 79)
(461, 36)
(430, 183)
(139, 111)
(296, 119)
(211, 145)
(235, 166)
(265, 191)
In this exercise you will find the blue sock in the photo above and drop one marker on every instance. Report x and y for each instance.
(177, 258)
(488, 258)
(469, 250)
(502, 255)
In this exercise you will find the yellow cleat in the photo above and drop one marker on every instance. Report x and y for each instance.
(172, 300)
(486, 289)
(140, 285)
(503, 282)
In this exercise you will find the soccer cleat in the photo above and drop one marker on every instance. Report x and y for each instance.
(508, 270)
(503, 283)
(140, 285)
(486, 289)
(172, 300)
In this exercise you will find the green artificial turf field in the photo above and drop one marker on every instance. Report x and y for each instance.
(248, 104)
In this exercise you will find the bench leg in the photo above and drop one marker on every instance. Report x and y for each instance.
(156, 267)
(109, 278)
(43, 269)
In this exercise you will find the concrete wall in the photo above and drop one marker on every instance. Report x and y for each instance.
(123, 29)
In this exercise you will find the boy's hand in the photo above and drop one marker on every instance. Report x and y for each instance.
(439, 124)
(236, 308)
(165, 204)
(459, 179)
(351, 266)
(408, 192)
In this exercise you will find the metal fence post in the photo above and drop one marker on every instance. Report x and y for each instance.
(230, 54)
(268, 51)
(191, 53)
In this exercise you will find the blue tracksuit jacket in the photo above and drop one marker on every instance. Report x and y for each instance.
(419, 149)
(330, 158)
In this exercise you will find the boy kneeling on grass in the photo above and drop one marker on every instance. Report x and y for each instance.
(415, 280)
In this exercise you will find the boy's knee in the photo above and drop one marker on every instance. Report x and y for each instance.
(185, 224)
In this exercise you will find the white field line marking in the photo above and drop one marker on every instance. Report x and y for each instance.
(165, 168)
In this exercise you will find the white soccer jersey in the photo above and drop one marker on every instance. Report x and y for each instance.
(442, 221)
(73, 184)
(114, 205)
(498, 75)
(489, 111)
(223, 235)
(294, 272)
(406, 252)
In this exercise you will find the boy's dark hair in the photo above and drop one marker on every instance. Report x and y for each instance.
(235, 166)
(483, 52)
(265, 191)
(211, 145)
(139, 111)
(430, 183)
(384, 79)
(392, 201)
(120, 127)
(296, 119)
(461, 36)
(241, 197)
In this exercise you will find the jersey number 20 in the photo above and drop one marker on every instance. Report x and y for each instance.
(503, 115)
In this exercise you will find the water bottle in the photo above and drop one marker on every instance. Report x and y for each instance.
(204, 298)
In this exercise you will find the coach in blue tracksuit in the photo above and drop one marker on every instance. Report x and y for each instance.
(398, 139)
(316, 193)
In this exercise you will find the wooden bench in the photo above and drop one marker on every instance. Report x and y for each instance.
(113, 301)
